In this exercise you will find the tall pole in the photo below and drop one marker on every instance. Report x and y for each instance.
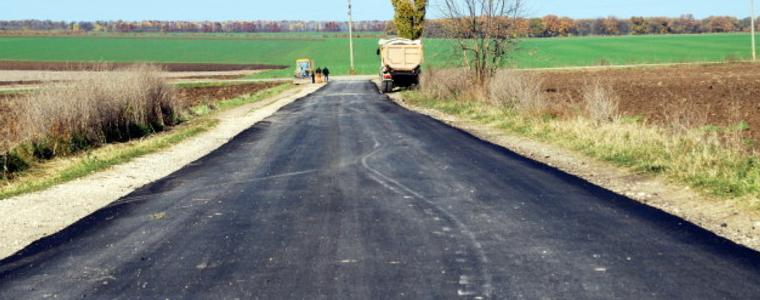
(752, 22)
(351, 37)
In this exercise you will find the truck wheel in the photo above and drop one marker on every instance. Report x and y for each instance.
(387, 86)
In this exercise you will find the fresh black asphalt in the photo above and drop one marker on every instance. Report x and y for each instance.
(345, 195)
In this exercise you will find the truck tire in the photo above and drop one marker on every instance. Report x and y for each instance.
(387, 86)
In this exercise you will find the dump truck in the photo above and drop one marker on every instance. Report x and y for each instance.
(400, 63)
(304, 67)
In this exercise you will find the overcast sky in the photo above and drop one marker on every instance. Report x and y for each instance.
(69, 10)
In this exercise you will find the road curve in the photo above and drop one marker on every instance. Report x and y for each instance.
(345, 195)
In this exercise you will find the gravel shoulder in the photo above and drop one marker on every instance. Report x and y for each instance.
(726, 218)
(29, 217)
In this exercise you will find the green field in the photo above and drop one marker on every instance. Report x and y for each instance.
(332, 50)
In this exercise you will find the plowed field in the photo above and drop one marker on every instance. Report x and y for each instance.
(721, 94)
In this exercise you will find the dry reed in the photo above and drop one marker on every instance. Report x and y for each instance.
(100, 107)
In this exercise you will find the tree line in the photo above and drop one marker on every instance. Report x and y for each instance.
(556, 26)
(547, 26)
(187, 26)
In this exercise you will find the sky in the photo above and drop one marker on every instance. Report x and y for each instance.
(199, 10)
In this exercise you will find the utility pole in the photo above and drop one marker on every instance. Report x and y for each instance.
(752, 22)
(351, 38)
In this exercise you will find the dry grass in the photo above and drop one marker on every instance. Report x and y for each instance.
(600, 104)
(518, 90)
(446, 84)
(716, 160)
(101, 107)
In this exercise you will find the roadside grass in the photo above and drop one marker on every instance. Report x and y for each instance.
(43, 175)
(717, 162)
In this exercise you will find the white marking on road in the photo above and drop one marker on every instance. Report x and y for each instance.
(382, 178)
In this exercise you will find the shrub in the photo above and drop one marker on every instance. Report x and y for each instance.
(11, 163)
(600, 104)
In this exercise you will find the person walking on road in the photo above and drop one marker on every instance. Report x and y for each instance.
(326, 72)
(319, 75)
(313, 77)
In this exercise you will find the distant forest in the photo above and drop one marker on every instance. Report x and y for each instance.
(548, 26)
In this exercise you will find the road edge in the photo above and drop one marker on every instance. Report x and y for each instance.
(723, 219)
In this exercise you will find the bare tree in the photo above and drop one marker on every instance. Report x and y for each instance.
(486, 32)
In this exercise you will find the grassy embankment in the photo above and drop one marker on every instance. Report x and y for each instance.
(716, 161)
(39, 157)
(332, 50)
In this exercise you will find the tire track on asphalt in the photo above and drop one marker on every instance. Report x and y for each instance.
(486, 288)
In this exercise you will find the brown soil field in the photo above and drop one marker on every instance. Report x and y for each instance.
(214, 77)
(197, 95)
(86, 66)
(696, 95)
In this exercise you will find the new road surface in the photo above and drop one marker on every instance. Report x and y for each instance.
(345, 195)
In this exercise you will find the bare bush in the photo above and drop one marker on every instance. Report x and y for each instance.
(104, 106)
(485, 31)
(518, 90)
(600, 103)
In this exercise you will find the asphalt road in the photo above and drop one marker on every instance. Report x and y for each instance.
(345, 195)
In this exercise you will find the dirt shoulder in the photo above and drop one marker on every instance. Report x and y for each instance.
(726, 218)
(29, 217)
